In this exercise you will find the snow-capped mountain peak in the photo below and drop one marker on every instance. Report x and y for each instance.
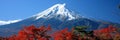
(58, 11)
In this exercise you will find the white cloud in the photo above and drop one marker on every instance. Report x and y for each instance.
(9, 22)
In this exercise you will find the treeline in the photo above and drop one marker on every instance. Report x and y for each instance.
(76, 33)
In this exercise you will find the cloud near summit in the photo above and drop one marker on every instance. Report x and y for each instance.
(8, 22)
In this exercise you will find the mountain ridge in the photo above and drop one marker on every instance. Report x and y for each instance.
(57, 16)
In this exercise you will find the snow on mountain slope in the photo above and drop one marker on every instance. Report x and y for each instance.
(59, 11)
(9, 22)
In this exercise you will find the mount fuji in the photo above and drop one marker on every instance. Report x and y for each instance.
(58, 17)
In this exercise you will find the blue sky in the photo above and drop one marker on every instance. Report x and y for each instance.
(97, 9)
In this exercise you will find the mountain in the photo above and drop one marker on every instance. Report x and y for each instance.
(58, 11)
(58, 17)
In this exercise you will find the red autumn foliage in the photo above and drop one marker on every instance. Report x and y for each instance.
(32, 33)
(43, 33)
(105, 32)
(62, 35)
